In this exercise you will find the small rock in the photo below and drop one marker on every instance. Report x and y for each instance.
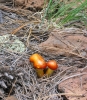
(6, 74)
(83, 53)
(2, 84)
(9, 76)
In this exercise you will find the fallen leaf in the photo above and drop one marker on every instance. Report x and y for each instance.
(65, 41)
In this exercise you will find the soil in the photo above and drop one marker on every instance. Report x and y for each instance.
(11, 98)
(68, 46)
(34, 5)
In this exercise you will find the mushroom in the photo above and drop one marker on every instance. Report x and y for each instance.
(52, 65)
(38, 63)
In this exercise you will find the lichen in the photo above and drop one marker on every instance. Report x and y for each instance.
(13, 44)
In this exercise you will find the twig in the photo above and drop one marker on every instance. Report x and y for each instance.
(1, 19)
(14, 10)
(60, 94)
(64, 51)
(84, 69)
(12, 87)
(30, 31)
(35, 37)
(72, 22)
(23, 25)
(66, 79)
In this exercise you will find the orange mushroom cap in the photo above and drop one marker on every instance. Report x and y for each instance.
(52, 64)
(38, 61)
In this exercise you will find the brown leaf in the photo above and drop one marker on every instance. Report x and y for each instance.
(63, 41)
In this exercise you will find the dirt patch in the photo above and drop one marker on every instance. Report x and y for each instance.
(33, 5)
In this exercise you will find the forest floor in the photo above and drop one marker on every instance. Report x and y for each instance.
(23, 33)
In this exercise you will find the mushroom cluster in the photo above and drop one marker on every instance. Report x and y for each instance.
(41, 65)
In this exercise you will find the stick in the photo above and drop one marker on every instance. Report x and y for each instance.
(61, 94)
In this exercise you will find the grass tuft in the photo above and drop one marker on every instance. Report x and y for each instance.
(64, 12)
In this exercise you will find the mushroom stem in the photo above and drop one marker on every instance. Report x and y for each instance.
(39, 72)
(49, 72)
(52, 65)
(38, 63)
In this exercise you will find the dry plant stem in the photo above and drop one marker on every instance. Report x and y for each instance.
(84, 69)
(66, 79)
(58, 75)
(81, 82)
(62, 72)
(13, 3)
(65, 51)
(30, 31)
(39, 72)
(25, 24)
(49, 72)
(18, 11)
(60, 94)
(35, 37)
(26, 1)
(24, 85)
(12, 87)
